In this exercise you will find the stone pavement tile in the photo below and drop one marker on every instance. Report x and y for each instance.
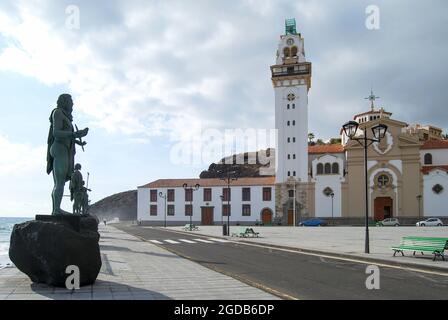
(27, 296)
(81, 296)
(102, 296)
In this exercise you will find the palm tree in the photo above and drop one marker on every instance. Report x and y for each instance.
(310, 137)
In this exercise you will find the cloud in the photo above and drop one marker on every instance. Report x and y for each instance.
(20, 159)
(161, 68)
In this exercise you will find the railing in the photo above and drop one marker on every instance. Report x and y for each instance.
(301, 71)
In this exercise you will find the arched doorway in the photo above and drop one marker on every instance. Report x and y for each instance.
(266, 216)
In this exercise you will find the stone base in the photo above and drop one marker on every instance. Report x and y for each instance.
(45, 247)
(71, 221)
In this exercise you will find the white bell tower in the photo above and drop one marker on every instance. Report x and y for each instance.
(291, 78)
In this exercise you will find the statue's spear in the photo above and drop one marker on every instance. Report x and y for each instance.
(80, 139)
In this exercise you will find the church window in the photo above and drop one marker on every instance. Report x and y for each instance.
(289, 173)
(288, 123)
(294, 173)
(287, 106)
(286, 52)
(320, 168)
(383, 180)
(291, 193)
(428, 158)
(293, 122)
(294, 156)
(294, 139)
(293, 105)
(335, 168)
(294, 51)
(289, 140)
(327, 168)
(291, 97)
(289, 156)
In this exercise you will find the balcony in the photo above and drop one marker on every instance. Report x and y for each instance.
(297, 70)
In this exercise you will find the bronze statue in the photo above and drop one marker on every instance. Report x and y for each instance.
(84, 199)
(61, 148)
(76, 193)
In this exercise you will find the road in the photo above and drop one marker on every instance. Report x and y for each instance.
(294, 275)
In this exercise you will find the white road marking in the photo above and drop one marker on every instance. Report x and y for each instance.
(202, 240)
(218, 240)
(155, 241)
(172, 241)
(185, 240)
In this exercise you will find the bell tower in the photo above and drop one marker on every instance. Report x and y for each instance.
(291, 78)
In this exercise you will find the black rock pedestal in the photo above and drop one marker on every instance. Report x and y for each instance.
(45, 247)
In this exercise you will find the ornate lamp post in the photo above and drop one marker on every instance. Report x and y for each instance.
(379, 132)
(192, 188)
(222, 203)
(228, 177)
(419, 199)
(332, 216)
(163, 196)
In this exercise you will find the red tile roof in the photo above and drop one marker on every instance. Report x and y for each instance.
(435, 144)
(326, 148)
(212, 182)
(428, 169)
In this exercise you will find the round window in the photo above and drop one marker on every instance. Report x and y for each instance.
(383, 180)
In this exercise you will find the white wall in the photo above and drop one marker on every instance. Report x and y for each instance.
(257, 204)
(435, 204)
(439, 156)
(323, 203)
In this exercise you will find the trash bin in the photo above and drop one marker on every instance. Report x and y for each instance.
(224, 230)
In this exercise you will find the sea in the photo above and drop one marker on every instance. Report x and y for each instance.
(6, 225)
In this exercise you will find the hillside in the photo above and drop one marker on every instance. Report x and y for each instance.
(121, 205)
(244, 169)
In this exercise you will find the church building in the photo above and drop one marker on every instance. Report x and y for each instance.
(407, 171)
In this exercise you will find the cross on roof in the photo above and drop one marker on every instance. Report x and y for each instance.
(372, 99)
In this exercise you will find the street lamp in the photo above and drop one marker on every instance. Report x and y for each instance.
(332, 216)
(163, 196)
(228, 177)
(379, 132)
(222, 204)
(192, 188)
(419, 199)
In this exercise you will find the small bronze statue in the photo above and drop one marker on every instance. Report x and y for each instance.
(84, 199)
(76, 192)
(61, 148)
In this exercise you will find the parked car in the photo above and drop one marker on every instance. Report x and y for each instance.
(430, 222)
(389, 222)
(312, 223)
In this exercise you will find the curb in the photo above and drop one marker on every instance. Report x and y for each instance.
(332, 254)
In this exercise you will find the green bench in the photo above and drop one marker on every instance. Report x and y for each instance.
(191, 227)
(245, 232)
(435, 246)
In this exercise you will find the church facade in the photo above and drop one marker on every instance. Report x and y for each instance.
(407, 171)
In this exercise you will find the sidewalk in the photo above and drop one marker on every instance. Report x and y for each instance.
(136, 270)
(344, 241)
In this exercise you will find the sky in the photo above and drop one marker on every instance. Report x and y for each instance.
(150, 77)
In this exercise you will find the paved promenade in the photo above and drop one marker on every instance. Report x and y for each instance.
(136, 270)
(342, 240)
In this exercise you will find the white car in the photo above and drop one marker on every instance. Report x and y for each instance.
(389, 222)
(431, 222)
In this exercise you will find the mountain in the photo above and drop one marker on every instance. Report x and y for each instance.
(121, 205)
(240, 163)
